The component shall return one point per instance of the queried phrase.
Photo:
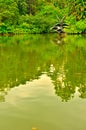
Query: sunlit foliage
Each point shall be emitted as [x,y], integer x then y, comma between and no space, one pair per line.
[37,16]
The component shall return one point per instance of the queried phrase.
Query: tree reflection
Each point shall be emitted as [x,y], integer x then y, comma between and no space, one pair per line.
[35,54]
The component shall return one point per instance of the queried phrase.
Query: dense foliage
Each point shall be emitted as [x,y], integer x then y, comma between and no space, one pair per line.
[38,16]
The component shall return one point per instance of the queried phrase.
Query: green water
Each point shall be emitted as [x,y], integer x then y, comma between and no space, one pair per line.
[43,82]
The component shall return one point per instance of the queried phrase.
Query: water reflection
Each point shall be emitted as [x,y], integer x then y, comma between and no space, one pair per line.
[33,91]
[59,39]
[25,58]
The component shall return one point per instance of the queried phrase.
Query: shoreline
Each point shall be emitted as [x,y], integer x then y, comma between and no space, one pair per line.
[69,33]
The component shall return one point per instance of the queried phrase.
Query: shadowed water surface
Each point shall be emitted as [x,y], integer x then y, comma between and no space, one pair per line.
[43,82]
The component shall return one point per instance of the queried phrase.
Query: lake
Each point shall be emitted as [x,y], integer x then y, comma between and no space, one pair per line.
[43,82]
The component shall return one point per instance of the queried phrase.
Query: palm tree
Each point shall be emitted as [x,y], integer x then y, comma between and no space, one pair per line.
[60,25]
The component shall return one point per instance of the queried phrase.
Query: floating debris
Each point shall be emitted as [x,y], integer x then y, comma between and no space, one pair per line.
[34,128]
